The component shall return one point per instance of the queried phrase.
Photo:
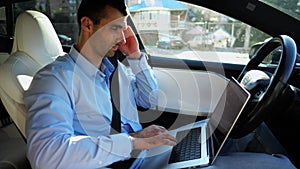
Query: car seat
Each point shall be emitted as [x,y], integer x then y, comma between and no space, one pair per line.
[35,45]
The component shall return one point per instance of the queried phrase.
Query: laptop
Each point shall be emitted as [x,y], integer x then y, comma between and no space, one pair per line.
[209,135]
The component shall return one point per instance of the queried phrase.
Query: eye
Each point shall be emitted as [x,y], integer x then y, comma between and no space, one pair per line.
[114,28]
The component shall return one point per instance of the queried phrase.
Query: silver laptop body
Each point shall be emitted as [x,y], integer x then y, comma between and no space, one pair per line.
[211,133]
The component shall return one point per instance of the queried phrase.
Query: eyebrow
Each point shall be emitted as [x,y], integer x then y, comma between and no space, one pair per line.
[120,26]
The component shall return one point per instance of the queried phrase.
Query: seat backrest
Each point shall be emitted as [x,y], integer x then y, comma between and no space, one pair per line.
[35,45]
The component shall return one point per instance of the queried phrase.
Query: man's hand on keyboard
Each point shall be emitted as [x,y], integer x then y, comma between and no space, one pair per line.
[151,137]
[149,131]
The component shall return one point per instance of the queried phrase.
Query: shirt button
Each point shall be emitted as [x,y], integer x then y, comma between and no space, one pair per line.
[100,162]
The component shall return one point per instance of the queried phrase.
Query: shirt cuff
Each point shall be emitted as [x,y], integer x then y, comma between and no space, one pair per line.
[138,65]
[122,144]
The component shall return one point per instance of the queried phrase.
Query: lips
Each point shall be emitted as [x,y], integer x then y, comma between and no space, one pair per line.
[116,47]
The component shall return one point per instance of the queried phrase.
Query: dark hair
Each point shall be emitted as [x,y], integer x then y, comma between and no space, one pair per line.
[95,9]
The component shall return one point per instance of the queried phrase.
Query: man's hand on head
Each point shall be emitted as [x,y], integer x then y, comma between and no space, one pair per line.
[130,47]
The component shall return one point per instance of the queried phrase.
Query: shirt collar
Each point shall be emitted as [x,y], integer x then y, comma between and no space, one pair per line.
[106,66]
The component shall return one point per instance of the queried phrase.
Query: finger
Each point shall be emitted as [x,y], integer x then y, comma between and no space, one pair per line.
[162,128]
[169,141]
[159,128]
[128,32]
[167,138]
[170,137]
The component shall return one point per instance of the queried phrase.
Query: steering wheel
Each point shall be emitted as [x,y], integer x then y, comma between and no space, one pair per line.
[259,105]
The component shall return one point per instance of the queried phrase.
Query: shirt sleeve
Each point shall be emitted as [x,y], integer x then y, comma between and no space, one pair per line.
[51,141]
[144,82]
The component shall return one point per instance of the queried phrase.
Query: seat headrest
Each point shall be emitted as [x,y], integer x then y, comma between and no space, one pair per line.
[36,37]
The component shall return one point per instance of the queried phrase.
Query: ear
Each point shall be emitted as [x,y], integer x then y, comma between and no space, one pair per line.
[86,24]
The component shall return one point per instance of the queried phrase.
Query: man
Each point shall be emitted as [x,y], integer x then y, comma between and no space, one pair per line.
[69,103]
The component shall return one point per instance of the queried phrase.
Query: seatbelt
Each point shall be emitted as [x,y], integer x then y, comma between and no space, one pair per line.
[116,117]
[115,98]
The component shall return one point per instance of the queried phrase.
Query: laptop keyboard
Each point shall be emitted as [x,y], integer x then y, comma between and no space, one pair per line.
[189,147]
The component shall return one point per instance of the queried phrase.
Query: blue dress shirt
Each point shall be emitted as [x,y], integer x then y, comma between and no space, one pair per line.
[69,112]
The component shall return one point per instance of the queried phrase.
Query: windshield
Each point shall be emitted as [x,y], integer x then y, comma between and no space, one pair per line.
[290,7]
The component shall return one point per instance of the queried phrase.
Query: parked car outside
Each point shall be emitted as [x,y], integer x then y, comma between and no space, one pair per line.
[172,42]
[204,41]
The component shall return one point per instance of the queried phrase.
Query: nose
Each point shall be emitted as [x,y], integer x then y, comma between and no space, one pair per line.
[122,38]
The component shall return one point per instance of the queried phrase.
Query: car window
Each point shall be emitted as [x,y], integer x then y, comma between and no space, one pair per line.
[171,29]
[2,21]
[207,35]
[62,14]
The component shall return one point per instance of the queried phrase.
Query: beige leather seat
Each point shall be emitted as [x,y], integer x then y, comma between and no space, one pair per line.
[35,45]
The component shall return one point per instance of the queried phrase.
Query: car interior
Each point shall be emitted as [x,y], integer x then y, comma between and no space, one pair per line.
[189,88]
[27,57]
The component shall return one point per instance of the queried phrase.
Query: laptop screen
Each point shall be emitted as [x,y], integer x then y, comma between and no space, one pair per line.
[225,115]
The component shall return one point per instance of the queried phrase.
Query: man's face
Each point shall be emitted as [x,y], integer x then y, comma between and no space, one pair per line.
[109,33]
